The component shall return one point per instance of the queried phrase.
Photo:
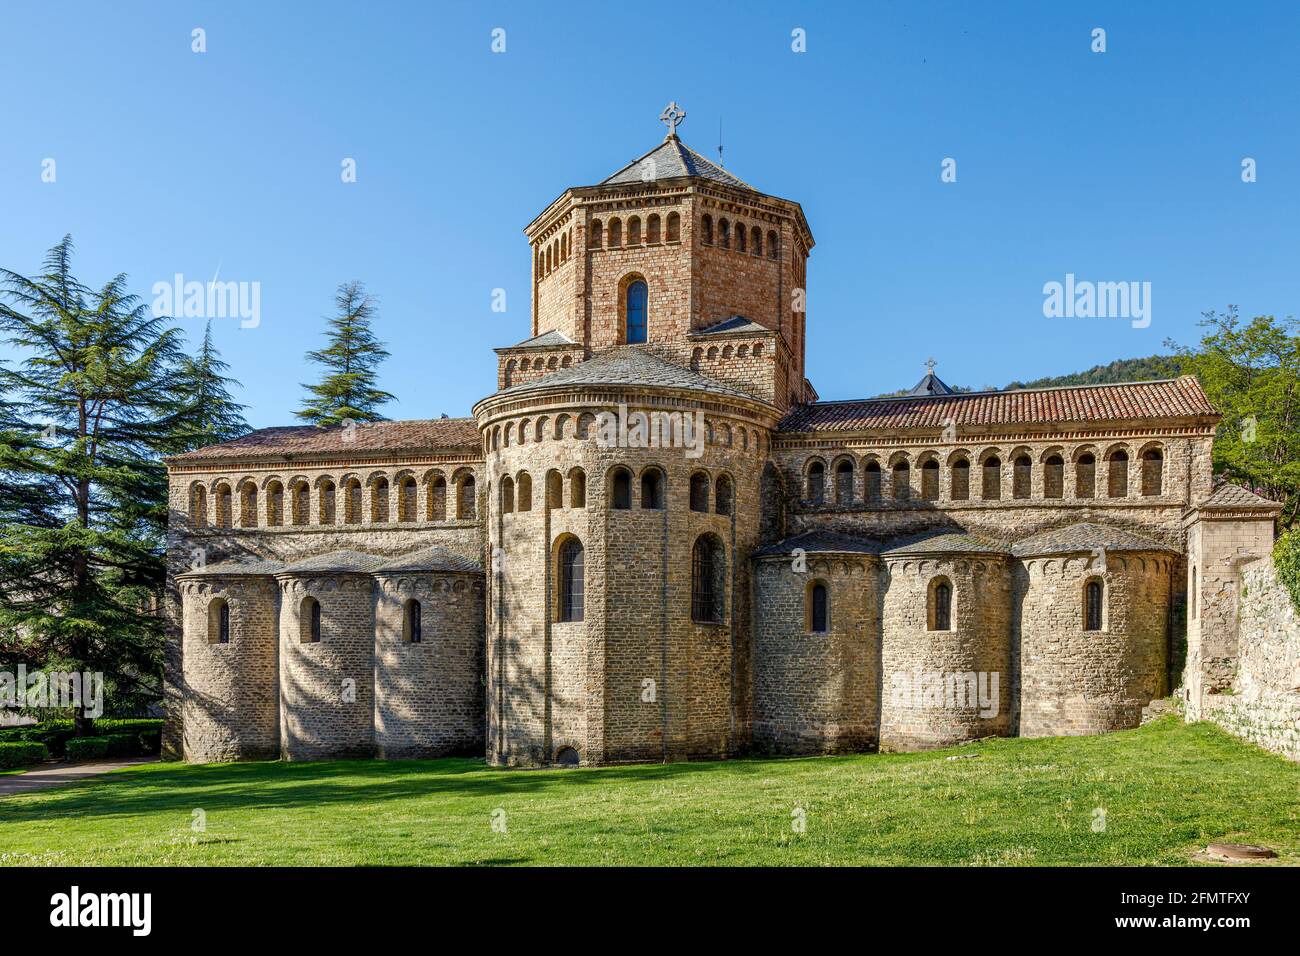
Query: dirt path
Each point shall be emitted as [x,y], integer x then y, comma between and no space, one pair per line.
[57,774]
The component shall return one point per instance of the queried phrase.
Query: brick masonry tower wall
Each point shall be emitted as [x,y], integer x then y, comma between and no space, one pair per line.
[429,695]
[231,708]
[817,692]
[916,658]
[327,700]
[637,678]
[1074,681]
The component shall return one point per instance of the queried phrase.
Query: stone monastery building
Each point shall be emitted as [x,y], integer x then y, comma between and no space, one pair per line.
[731,566]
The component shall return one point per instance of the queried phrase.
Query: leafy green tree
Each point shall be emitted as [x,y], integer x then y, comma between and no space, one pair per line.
[348,391]
[209,413]
[1251,371]
[81,560]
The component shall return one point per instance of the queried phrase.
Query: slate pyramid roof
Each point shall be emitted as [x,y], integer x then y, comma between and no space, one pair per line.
[672,159]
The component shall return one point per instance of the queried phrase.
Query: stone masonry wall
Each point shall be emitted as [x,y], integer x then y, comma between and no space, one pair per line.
[327,699]
[429,695]
[817,692]
[915,659]
[1073,681]
[1264,706]
[231,709]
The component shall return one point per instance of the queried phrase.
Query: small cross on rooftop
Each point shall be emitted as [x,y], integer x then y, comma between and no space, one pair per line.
[671,116]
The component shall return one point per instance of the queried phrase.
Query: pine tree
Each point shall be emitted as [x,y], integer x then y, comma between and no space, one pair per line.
[210,414]
[348,392]
[81,564]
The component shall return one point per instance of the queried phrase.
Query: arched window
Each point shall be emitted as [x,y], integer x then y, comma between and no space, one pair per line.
[699,491]
[1054,477]
[1093,593]
[773,245]
[707,582]
[379,501]
[844,482]
[1022,471]
[309,621]
[412,623]
[992,489]
[466,500]
[902,480]
[594,237]
[724,233]
[634,231]
[620,490]
[706,230]
[525,492]
[756,241]
[198,506]
[652,489]
[818,608]
[219,622]
[1152,468]
[722,495]
[940,610]
[615,233]
[507,492]
[274,505]
[436,507]
[674,227]
[816,482]
[554,490]
[652,229]
[637,302]
[1117,475]
[577,488]
[224,506]
[871,481]
[960,479]
[571,580]
[406,500]
[930,480]
[1085,476]
[567,757]
[1192,596]
[301,503]
[741,243]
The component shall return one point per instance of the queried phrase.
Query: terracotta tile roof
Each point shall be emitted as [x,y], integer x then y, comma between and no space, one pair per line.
[1085,537]
[1128,401]
[423,435]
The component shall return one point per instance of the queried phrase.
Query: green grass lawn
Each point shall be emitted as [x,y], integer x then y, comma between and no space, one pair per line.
[1166,789]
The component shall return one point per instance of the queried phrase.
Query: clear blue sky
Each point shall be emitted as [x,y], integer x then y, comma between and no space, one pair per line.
[1118,166]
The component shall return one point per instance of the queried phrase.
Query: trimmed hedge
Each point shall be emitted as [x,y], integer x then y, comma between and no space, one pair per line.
[1286,559]
[21,754]
[57,734]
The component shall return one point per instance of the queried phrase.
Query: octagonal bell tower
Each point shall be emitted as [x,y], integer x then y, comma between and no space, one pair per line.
[717,258]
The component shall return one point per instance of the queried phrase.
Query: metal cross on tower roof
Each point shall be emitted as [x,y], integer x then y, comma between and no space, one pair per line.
[671,116]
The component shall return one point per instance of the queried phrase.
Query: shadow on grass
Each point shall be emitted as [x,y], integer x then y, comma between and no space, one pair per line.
[160,788]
